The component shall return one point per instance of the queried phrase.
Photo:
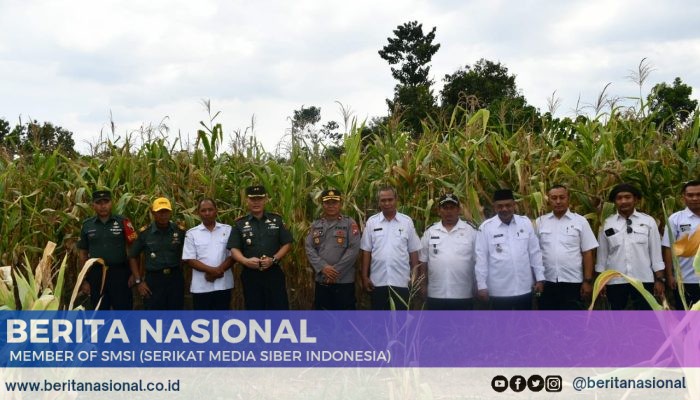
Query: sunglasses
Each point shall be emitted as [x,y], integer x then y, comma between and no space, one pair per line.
[629,225]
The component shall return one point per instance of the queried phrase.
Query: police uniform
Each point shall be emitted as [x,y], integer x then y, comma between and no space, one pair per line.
[162,250]
[450,259]
[262,290]
[108,240]
[684,222]
[336,243]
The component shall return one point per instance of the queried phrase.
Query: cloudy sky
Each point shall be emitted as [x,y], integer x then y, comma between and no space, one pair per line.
[75,62]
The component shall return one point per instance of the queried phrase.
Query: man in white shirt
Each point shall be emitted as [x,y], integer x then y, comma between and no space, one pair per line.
[205,251]
[508,257]
[630,243]
[567,244]
[682,223]
[447,254]
[390,248]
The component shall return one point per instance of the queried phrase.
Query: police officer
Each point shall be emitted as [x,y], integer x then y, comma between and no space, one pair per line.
[258,242]
[332,246]
[508,257]
[161,244]
[106,236]
[447,253]
[567,244]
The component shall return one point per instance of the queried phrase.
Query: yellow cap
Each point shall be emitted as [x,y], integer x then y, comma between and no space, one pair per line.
[161,203]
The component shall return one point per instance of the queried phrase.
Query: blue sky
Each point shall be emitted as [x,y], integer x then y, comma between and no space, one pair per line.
[75,62]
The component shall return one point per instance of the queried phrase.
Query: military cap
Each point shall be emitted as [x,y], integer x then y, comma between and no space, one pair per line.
[330,194]
[503,194]
[448,198]
[256,191]
[161,203]
[98,195]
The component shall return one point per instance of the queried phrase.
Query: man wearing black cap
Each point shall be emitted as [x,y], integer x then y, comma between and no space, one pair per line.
[107,236]
[447,254]
[332,246]
[161,242]
[508,257]
[630,243]
[258,242]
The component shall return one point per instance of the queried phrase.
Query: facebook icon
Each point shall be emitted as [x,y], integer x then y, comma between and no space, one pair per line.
[517,383]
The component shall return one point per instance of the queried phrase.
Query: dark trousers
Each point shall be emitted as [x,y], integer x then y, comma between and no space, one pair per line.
[561,296]
[216,300]
[521,302]
[338,296]
[264,290]
[620,295]
[167,290]
[117,294]
[692,295]
[432,303]
[381,295]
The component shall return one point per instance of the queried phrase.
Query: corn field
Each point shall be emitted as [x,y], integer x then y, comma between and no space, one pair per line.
[45,197]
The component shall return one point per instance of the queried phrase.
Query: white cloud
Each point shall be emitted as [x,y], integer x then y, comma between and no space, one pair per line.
[71,62]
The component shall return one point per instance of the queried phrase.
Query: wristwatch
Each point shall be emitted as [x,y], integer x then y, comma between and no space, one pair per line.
[660,279]
[137,281]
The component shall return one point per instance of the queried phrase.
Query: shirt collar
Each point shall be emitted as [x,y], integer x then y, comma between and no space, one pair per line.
[635,214]
[689,214]
[568,214]
[154,227]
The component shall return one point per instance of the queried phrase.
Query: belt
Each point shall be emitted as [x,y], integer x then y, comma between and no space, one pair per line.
[164,271]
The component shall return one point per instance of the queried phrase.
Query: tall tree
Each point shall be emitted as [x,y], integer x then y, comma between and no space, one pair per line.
[487,84]
[670,105]
[411,51]
[32,136]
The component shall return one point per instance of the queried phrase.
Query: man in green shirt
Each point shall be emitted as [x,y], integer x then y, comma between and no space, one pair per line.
[258,241]
[106,236]
[161,245]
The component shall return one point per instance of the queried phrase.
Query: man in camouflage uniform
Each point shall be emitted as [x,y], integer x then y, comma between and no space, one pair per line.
[106,236]
[258,241]
[163,287]
[332,246]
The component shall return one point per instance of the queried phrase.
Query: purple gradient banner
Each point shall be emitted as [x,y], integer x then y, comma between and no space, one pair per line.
[350,339]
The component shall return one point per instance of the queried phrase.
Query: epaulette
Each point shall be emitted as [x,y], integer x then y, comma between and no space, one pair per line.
[181,225]
[240,218]
[472,224]
[143,228]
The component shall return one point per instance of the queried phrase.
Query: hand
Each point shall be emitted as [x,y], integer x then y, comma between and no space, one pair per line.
[85,288]
[144,290]
[539,288]
[671,282]
[253,263]
[214,274]
[586,291]
[483,295]
[330,274]
[367,284]
[266,262]
[659,289]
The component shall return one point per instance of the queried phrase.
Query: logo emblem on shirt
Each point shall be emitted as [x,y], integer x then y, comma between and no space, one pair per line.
[153,255]
[248,242]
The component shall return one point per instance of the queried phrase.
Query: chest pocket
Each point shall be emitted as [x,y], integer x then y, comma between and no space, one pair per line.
[154,245]
[570,238]
[545,237]
[614,241]
[341,237]
[640,235]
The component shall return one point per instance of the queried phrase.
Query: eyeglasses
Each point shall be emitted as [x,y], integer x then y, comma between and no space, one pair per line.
[629,225]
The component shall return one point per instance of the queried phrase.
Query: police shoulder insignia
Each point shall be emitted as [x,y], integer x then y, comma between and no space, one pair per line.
[143,228]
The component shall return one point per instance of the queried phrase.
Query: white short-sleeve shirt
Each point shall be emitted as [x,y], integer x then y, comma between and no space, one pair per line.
[390,242]
[450,259]
[683,222]
[209,247]
[562,241]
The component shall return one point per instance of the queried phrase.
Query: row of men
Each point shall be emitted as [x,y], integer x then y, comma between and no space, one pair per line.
[455,266]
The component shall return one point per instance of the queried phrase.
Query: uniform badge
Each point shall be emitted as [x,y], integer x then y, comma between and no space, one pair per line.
[248,242]
[175,235]
[340,240]
[317,241]
[247,223]
[153,255]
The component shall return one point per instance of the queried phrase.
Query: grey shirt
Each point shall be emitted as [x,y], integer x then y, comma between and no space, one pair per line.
[335,243]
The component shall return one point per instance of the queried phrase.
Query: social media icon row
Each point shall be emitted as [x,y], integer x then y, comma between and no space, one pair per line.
[518,383]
